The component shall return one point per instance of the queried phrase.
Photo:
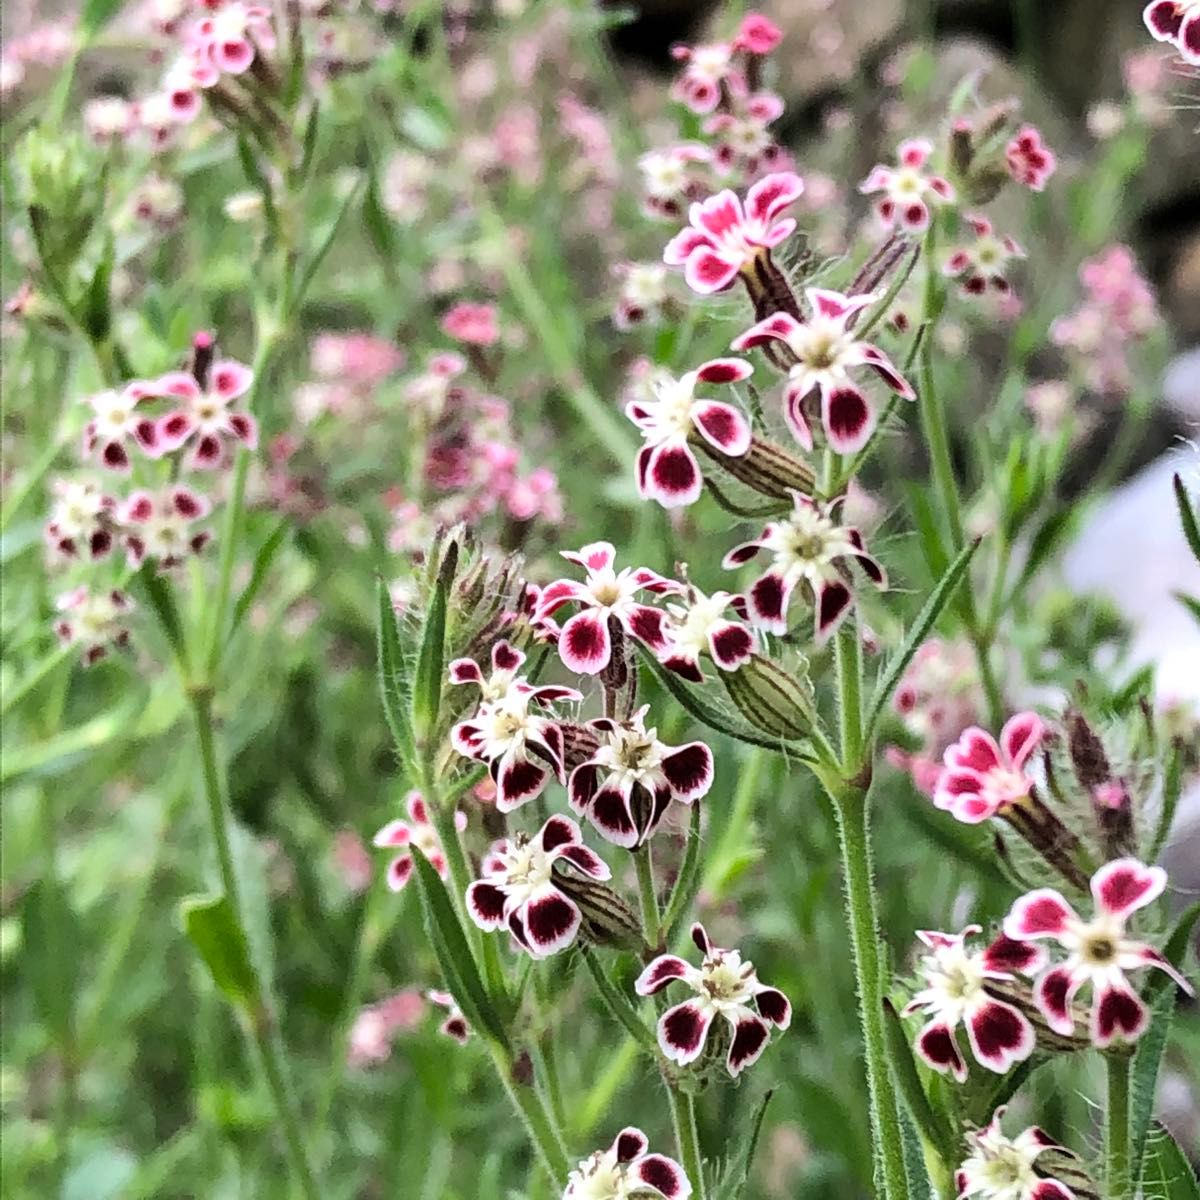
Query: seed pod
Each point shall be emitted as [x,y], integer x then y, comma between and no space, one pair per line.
[768,287]
[771,699]
[765,467]
[1019,993]
[607,919]
[1046,833]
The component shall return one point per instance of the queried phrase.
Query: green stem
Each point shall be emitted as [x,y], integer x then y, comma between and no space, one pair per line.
[647,896]
[621,1009]
[293,1135]
[1118,1162]
[534,1117]
[848,660]
[852,815]
[687,1138]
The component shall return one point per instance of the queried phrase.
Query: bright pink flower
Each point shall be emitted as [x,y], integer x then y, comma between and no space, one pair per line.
[1030,161]
[231,35]
[667,468]
[585,644]
[520,887]
[93,620]
[205,414]
[696,627]
[158,525]
[757,34]
[727,986]
[1099,951]
[626,786]
[825,351]
[417,832]
[116,422]
[983,263]
[455,1025]
[473,324]
[509,732]
[1177,22]
[1002,1168]
[706,69]
[981,777]
[955,993]
[909,190]
[626,1170]
[81,521]
[743,139]
[808,547]
[724,238]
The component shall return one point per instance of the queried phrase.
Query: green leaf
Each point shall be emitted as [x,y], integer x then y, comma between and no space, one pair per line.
[1187,516]
[212,928]
[941,595]
[925,519]
[95,313]
[262,564]
[162,601]
[453,953]
[687,882]
[930,1123]
[324,245]
[1169,1175]
[258,181]
[96,14]
[392,690]
[738,1175]
[1189,602]
[51,941]
[1172,790]
[429,678]
[378,224]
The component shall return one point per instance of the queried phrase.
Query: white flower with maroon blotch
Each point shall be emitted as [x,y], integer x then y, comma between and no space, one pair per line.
[667,468]
[706,68]
[205,414]
[697,626]
[725,987]
[519,889]
[1002,1168]
[984,263]
[625,1171]
[93,620]
[725,238]
[1177,22]
[584,643]
[520,744]
[455,1025]
[1099,951]
[955,993]
[116,422]
[1030,161]
[627,785]
[981,777]
[909,191]
[826,351]
[669,179]
[809,547]
[417,833]
[81,520]
[158,525]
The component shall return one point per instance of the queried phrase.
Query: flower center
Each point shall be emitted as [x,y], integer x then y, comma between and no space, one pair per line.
[1099,949]
[725,979]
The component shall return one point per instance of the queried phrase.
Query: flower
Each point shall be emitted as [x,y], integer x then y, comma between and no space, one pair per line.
[585,643]
[724,238]
[230,36]
[205,415]
[981,778]
[520,747]
[725,986]
[757,34]
[807,546]
[1001,1168]
[625,1171]
[418,831]
[825,349]
[158,525]
[667,469]
[116,421]
[982,264]
[667,179]
[908,190]
[1177,22]
[455,1025]
[955,993]
[81,519]
[474,324]
[1098,951]
[519,888]
[376,1025]
[93,620]
[1030,161]
[627,785]
[699,83]
[644,293]
[696,626]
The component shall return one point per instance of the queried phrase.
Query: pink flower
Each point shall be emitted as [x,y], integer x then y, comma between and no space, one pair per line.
[667,469]
[984,262]
[473,324]
[455,1025]
[159,525]
[825,351]
[669,178]
[508,731]
[624,1170]
[1099,951]
[376,1025]
[519,889]
[909,191]
[981,778]
[757,34]
[585,643]
[808,547]
[93,620]
[697,626]
[358,358]
[724,238]
[115,423]
[81,520]
[955,993]
[232,34]
[1177,22]
[628,783]
[706,69]
[1002,1168]
[205,415]
[351,860]
[726,986]
[1030,161]
[417,832]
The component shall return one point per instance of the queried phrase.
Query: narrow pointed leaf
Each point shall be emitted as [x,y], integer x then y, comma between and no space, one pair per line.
[429,677]
[262,564]
[1187,516]
[392,688]
[932,1125]
[1168,1175]
[211,927]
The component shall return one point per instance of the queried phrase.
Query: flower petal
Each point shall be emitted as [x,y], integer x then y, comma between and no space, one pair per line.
[394,833]
[1006,955]
[1000,1035]
[689,771]
[750,1037]
[584,643]
[833,603]
[730,644]
[662,1175]
[778,327]
[724,370]
[706,271]
[610,813]
[673,475]
[1041,913]
[723,426]
[682,1031]
[847,418]
[465,670]
[1120,888]
[936,1047]
[1054,993]
[774,1006]
[1117,1012]
[659,973]
[551,921]
[1020,737]
[519,780]
[629,1144]
[586,861]
[485,904]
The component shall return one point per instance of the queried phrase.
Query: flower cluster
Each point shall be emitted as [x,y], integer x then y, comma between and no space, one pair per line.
[1176,22]
[626,1171]
[417,833]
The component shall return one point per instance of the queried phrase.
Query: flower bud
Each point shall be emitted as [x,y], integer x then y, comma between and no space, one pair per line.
[607,919]
[765,467]
[1019,993]
[771,700]
[1086,751]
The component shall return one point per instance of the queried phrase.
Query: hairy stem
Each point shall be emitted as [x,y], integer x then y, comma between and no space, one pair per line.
[687,1138]
[1118,1166]
[534,1117]
[647,896]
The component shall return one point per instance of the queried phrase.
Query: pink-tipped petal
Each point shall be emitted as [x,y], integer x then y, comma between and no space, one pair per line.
[1054,994]
[584,643]
[778,327]
[750,1037]
[1122,887]
[662,1176]
[394,833]
[722,426]
[1041,913]
[999,1035]
[707,271]
[724,370]
[834,600]
[689,771]
[772,194]
[847,418]
[550,920]
[774,1006]
[399,872]
[768,598]
[730,644]
[1021,736]
[659,973]
[629,1144]
[794,417]
[1006,956]
[936,1047]
[673,475]
[1117,1014]
[518,782]
[485,904]
[465,670]
[586,861]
